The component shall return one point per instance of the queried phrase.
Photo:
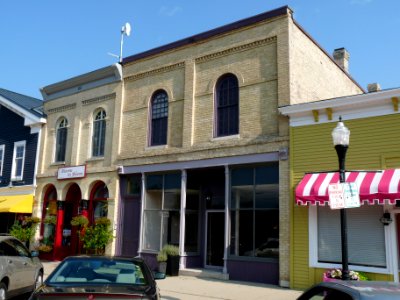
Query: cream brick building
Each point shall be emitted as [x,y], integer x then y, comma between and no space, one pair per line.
[238,181]
[196,153]
[73,178]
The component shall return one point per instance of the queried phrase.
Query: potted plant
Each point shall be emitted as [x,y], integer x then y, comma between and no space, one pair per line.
[172,252]
[162,258]
[97,236]
[25,230]
[81,222]
[336,274]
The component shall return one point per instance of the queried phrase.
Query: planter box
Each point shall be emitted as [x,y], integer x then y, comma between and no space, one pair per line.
[173,265]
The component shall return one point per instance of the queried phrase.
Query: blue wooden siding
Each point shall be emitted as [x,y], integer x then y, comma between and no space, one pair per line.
[12,130]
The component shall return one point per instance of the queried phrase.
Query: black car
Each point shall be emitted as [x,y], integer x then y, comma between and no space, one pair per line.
[353,290]
[98,277]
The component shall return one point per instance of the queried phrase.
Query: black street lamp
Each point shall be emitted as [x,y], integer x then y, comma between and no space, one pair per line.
[341,138]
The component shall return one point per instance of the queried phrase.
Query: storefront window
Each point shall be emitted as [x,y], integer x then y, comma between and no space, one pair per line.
[162,210]
[255,211]
[365,236]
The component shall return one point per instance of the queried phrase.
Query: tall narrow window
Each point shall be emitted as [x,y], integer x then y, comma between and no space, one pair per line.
[159,118]
[61,140]
[99,133]
[227,106]
[1,159]
[18,160]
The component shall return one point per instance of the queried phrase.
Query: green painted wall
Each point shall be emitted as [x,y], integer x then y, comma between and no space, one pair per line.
[374,145]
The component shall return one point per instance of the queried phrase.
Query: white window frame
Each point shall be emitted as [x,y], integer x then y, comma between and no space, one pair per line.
[91,148]
[57,127]
[3,149]
[14,177]
[313,248]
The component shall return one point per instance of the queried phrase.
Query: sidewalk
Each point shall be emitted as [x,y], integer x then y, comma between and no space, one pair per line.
[192,288]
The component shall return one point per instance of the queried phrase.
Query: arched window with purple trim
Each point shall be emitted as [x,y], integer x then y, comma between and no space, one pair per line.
[227,106]
[159,118]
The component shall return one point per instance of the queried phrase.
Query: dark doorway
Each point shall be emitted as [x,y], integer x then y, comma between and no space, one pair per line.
[215,238]
[70,240]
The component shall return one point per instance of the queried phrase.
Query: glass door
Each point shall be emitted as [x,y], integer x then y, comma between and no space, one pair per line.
[215,232]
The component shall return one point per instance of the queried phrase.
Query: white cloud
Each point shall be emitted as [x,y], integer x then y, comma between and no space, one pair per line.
[169,11]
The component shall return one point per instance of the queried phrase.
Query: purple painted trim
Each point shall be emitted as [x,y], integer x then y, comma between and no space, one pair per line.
[204,163]
[211,33]
[254,271]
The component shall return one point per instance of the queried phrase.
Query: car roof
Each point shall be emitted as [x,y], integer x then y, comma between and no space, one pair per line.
[368,289]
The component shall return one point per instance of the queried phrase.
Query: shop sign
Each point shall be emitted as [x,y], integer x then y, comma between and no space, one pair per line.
[343,195]
[71,172]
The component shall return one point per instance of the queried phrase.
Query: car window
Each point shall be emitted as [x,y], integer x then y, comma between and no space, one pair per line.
[99,271]
[7,250]
[20,248]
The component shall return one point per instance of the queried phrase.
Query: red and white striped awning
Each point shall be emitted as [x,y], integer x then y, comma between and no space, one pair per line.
[374,187]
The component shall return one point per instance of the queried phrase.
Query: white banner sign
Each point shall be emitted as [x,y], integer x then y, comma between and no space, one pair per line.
[343,195]
[71,172]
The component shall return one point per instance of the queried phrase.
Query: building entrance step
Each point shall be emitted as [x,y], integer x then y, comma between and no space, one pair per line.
[204,273]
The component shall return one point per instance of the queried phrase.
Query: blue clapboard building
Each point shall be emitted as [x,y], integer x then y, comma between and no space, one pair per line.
[21,119]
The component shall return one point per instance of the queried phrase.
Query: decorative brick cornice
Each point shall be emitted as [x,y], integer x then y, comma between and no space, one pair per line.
[61,108]
[99,99]
[155,71]
[235,49]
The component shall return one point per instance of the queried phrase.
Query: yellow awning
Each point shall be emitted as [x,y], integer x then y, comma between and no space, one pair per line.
[16,204]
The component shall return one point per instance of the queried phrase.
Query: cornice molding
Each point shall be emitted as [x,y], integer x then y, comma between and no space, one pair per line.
[155,71]
[61,108]
[111,96]
[240,48]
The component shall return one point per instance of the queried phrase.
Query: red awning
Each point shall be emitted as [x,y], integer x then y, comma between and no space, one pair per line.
[374,187]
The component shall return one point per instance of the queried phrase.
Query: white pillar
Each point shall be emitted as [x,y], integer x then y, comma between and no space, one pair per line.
[227,220]
[141,225]
[182,262]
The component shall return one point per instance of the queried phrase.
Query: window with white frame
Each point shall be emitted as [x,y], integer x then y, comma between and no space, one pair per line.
[61,140]
[99,133]
[18,160]
[162,211]
[365,235]
[2,147]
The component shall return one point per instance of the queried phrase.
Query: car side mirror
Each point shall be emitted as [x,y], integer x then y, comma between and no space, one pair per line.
[158,275]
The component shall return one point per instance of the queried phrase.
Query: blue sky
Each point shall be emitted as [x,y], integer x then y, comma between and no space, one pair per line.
[47,41]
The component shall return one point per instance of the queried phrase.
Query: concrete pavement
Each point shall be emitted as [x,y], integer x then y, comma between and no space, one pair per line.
[192,288]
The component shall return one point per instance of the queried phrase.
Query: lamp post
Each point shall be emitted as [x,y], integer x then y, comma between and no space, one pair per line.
[341,137]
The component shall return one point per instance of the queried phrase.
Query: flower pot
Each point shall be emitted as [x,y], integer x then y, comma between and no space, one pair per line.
[173,265]
[162,267]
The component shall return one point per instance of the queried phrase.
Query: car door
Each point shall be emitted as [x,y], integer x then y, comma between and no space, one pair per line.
[28,267]
[10,266]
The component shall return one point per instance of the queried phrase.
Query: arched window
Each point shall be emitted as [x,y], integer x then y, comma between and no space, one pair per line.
[99,204]
[227,106]
[61,140]
[49,218]
[99,133]
[159,118]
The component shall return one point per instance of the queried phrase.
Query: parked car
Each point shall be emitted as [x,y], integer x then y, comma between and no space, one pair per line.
[20,270]
[353,290]
[94,277]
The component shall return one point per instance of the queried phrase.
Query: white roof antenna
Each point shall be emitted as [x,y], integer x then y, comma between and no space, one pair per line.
[125,30]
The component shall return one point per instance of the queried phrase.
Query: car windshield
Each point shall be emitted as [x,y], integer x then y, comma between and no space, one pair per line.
[98,271]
